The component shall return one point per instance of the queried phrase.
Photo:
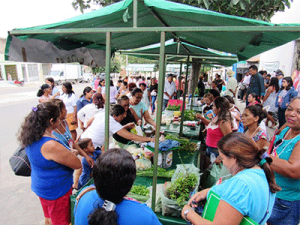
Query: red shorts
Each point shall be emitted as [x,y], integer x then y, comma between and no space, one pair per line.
[58,210]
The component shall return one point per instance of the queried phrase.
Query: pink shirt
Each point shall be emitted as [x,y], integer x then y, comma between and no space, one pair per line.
[214,134]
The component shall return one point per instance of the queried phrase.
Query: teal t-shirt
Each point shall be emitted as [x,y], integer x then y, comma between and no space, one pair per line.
[290,188]
[137,108]
[249,193]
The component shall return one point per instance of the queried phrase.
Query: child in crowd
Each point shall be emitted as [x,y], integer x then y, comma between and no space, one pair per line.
[86,145]
[253,99]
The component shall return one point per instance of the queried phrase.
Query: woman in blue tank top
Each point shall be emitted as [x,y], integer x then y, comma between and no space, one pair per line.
[52,164]
[286,164]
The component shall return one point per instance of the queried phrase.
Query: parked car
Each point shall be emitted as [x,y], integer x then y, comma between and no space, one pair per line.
[87,77]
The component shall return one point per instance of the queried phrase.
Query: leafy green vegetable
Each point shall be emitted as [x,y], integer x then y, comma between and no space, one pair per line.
[185,144]
[173,107]
[180,189]
[189,115]
[140,190]
[160,173]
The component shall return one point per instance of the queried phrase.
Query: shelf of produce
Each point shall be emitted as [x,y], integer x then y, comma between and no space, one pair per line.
[187,131]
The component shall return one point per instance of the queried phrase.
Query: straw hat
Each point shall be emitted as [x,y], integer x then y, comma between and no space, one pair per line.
[230,73]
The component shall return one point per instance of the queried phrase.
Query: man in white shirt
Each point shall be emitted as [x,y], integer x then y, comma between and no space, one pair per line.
[169,90]
[231,84]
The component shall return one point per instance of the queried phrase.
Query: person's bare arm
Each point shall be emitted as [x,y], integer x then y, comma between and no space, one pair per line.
[148,118]
[288,168]
[84,154]
[52,150]
[136,118]
[133,137]
[225,214]
[203,119]
[267,94]
[225,127]
[74,115]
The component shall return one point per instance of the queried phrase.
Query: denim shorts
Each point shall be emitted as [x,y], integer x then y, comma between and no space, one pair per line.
[285,212]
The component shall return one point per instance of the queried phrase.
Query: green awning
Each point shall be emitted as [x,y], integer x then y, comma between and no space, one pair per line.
[240,36]
[177,52]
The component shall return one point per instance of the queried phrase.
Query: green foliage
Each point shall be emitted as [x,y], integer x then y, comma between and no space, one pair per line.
[173,107]
[189,115]
[258,9]
[185,144]
[140,190]
[161,172]
[180,189]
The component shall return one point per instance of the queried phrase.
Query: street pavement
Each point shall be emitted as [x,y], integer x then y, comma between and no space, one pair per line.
[18,204]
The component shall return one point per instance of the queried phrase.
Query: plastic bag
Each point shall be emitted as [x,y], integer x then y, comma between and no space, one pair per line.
[170,207]
[142,164]
[159,192]
[212,175]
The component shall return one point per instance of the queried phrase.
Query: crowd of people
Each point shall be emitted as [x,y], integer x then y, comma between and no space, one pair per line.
[265,183]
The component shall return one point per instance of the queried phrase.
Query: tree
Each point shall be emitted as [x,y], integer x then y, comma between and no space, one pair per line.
[255,9]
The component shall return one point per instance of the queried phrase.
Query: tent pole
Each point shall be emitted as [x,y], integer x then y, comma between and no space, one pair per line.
[184,93]
[158,114]
[135,9]
[107,88]
[179,82]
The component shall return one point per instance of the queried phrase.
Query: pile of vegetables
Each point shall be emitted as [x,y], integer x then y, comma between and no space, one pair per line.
[140,190]
[173,107]
[160,173]
[185,144]
[189,115]
[181,188]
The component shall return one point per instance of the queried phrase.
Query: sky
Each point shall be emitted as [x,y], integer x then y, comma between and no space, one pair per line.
[28,13]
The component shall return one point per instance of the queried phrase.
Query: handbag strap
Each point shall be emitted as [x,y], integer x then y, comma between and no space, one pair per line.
[82,193]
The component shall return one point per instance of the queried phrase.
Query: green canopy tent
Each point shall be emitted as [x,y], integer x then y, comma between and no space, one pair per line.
[132,29]
[91,38]
[178,51]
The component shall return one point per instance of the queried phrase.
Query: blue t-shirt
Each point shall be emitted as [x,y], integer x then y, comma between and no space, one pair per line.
[248,192]
[49,180]
[82,102]
[129,212]
[290,188]
[86,169]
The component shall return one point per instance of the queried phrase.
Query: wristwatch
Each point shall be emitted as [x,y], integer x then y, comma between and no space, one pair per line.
[186,212]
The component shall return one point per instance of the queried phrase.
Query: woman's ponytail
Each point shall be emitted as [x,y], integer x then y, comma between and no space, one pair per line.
[101,216]
[265,165]
[42,88]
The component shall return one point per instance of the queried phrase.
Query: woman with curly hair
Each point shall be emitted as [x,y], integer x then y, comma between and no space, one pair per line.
[52,164]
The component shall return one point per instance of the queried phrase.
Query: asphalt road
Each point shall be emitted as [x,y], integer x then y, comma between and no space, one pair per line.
[18,204]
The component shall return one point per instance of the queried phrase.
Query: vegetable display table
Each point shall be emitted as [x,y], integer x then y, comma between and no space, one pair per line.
[187,131]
